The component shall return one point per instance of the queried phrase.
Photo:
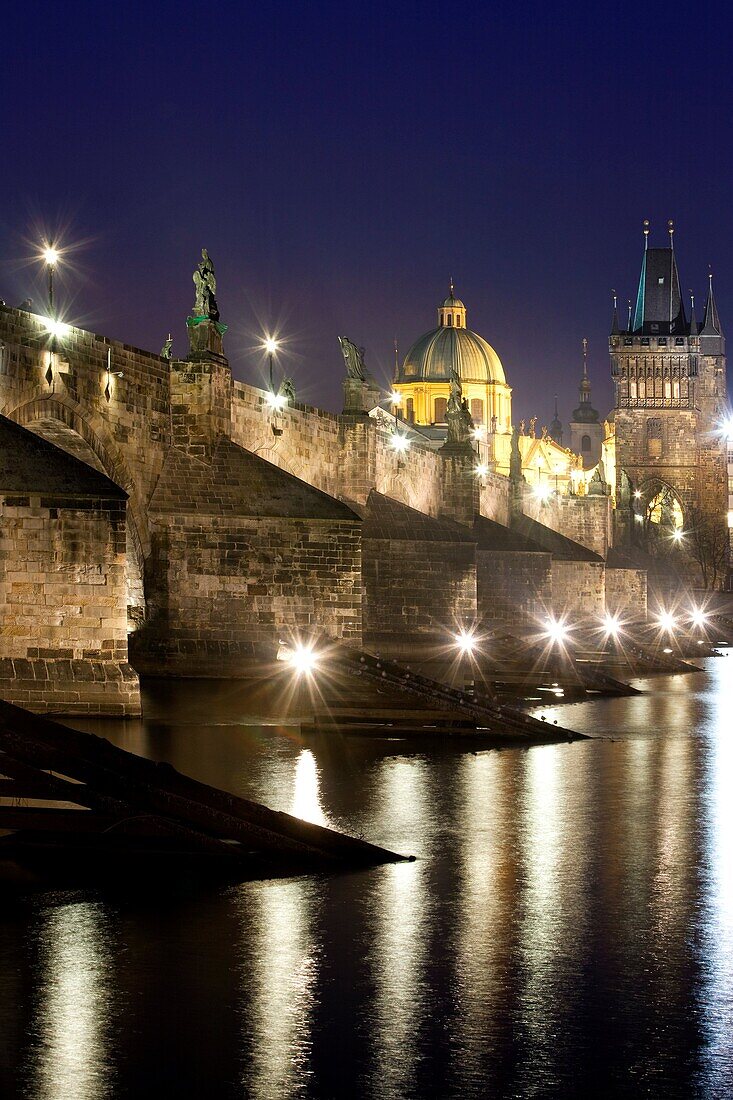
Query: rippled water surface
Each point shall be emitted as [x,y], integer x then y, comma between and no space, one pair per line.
[567,929]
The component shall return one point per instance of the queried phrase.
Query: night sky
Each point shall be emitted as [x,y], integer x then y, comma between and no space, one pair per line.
[342,161]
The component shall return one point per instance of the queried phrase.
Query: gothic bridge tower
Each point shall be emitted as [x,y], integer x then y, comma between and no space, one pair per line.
[670,389]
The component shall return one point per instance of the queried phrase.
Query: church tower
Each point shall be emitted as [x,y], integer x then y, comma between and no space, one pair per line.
[586,430]
[670,390]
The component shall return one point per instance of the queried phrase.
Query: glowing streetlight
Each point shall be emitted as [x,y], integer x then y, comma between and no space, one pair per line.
[465,642]
[611,625]
[481,470]
[699,618]
[667,621]
[542,492]
[556,630]
[677,535]
[637,494]
[270,346]
[50,256]
[399,443]
[276,400]
[301,658]
[395,397]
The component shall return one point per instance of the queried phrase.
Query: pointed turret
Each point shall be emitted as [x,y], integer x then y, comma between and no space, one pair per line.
[585,413]
[614,320]
[693,318]
[659,306]
[711,320]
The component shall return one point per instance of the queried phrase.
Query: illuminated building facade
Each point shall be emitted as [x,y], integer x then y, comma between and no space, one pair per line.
[669,453]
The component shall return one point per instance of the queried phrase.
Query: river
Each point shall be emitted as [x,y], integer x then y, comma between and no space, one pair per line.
[566,930]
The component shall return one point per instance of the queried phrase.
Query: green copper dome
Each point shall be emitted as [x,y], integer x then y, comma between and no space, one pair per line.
[451,344]
[430,358]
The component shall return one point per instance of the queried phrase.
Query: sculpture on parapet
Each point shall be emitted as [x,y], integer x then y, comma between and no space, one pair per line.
[515,458]
[457,414]
[361,392]
[354,359]
[287,389]
[204,280]
[205,330]
[166,352]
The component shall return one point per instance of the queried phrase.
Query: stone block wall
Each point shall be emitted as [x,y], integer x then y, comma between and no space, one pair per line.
[586,520]
[626,593]
[513,586]
[129,432]
[578,588]
[227,589]
[63,608]
[416,591]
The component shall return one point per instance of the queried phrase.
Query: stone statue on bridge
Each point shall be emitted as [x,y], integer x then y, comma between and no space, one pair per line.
[166,352]
[354,359]
[204,280]
[457,415]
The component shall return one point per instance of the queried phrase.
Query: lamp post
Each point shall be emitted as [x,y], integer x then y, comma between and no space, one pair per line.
[51,258]
[271,345]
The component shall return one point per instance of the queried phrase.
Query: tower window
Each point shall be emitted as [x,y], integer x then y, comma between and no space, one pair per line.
[662,341]
[441,405]
[660,280]
[410,410]
[645,342]
[449,319]
[477,410]
[679,341]
[628,341]
[585,443]
[654,437]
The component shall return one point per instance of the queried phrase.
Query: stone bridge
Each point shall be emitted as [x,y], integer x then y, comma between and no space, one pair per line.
[244,521]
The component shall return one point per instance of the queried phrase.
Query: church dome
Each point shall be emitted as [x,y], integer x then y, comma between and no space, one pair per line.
[451,344]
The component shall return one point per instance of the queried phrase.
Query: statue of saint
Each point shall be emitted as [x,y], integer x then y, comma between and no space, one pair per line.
[353,358]
[545,433]
[204,280]
[287,389]
[457,415]
[521,427]
[532,423]
[166,351]
[515,457]
[494,424]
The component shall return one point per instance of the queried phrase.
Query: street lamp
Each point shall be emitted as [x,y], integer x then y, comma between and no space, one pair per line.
[50,258]
[270,346]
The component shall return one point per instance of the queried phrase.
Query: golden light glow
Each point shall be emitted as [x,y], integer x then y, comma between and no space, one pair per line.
[399,443]
[667,621]
[306,800]
[51,256]
[465,641]
[271,345]
[556,630]
[55,328]
[276,400]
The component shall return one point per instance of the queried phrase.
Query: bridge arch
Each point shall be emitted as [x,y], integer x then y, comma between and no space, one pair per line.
[61,423]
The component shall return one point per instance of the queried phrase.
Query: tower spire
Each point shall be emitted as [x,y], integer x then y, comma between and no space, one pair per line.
[711,320]
[614,320]
[693,318]
[646,234]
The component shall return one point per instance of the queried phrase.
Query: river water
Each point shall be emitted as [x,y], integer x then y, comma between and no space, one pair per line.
[567,928]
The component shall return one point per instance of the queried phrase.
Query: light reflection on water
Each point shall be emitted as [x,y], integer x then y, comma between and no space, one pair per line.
[566,930]
[68,1055]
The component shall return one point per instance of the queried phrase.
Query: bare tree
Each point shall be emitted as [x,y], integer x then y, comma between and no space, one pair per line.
[706,542]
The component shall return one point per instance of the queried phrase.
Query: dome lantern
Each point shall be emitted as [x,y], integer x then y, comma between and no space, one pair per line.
[451,311]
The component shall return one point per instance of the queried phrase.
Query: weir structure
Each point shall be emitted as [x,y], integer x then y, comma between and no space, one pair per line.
[247,523]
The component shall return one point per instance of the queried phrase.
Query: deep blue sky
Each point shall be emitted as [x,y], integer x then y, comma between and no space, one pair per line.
[340,161]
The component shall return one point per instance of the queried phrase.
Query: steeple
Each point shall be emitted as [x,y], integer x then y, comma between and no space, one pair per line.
[614,321]
[711,320]
[659,306]
[693,318]
[585,411]
[556,426]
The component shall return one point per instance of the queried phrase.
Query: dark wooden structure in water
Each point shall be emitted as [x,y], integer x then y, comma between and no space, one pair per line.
[72,801]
